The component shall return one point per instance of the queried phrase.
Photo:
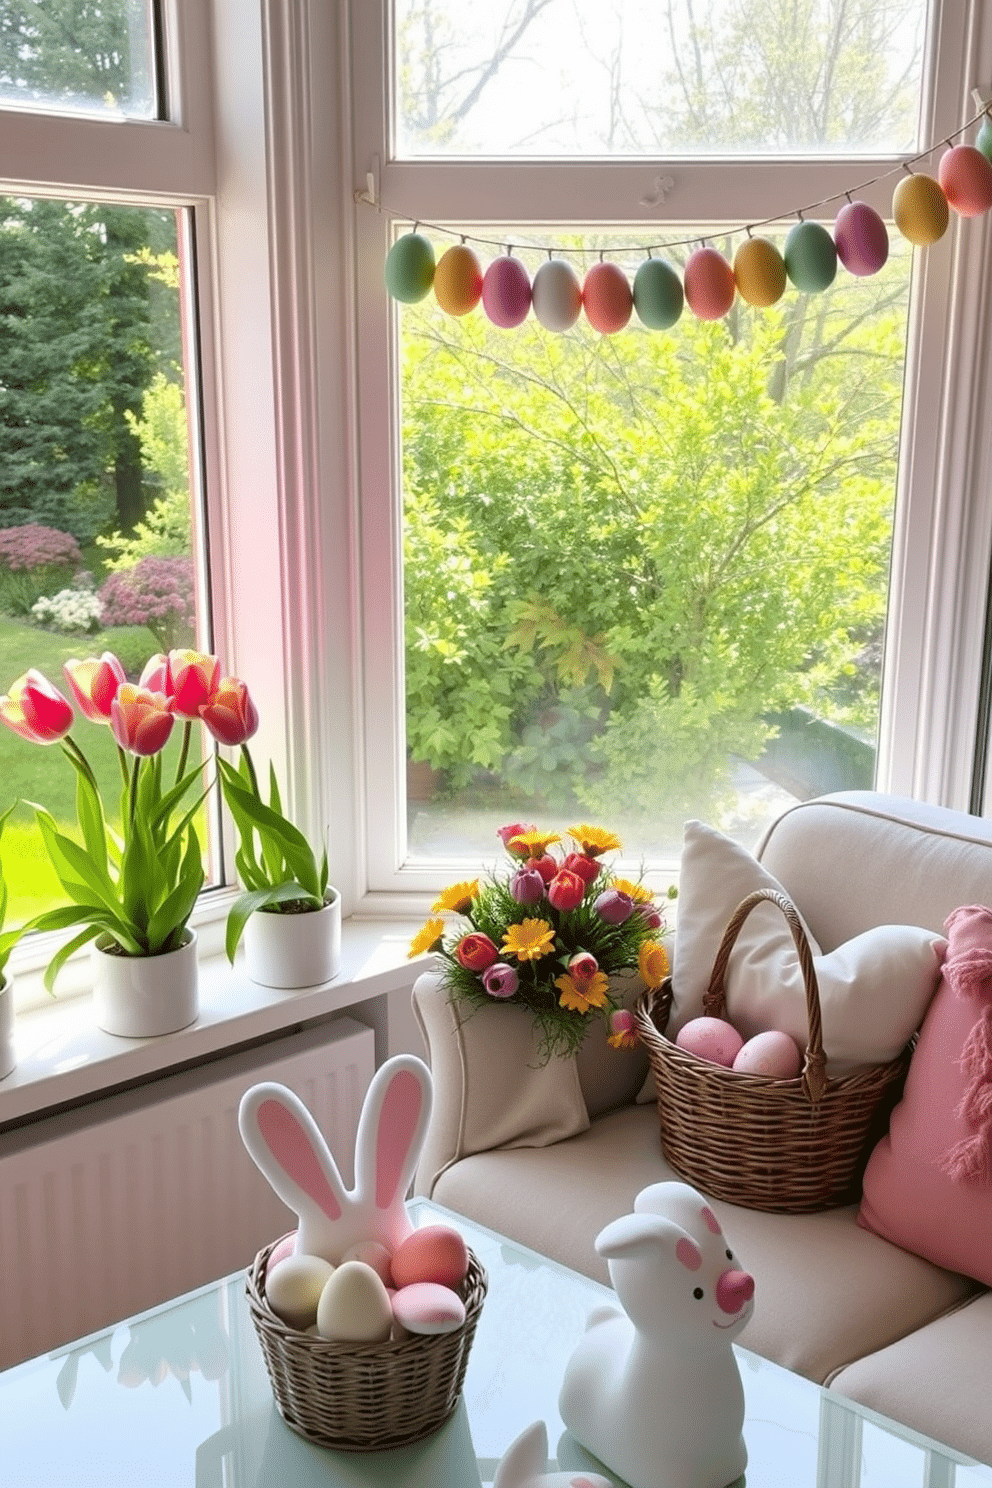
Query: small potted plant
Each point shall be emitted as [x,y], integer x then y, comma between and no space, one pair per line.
[132,892]
[8,940]
[289,915]
[556,935]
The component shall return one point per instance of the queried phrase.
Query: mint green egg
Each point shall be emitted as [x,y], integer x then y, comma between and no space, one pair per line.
[409,268]
[983,139]
[810,257]
[658,294]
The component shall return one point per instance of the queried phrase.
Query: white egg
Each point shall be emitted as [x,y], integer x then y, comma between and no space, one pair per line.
[556,295]
[354,1306]
[294,1286]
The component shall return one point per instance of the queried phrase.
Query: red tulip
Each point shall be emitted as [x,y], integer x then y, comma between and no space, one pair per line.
[587,868]
[94,684]
[36,710]
[547,866]
[192,678]
[476,952]
[566,889]
[155,675]
[229,713]
[141,720]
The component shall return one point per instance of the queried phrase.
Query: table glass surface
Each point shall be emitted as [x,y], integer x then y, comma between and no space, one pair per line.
[178,1397]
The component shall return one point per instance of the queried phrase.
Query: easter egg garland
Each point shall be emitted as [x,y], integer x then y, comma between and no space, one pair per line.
[760,273]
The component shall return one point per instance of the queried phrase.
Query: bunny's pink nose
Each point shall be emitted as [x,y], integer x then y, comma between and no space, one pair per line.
[734,1289]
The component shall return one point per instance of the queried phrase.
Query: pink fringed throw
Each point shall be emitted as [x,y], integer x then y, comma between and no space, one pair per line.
[968,971]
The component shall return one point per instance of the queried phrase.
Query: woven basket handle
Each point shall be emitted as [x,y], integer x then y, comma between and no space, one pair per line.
[714,1002]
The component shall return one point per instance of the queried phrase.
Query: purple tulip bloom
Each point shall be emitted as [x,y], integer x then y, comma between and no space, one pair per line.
[527,886]
[500,980]
[614,906]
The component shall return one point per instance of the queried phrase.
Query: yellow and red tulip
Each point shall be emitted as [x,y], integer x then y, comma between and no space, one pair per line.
[94,684]
[141,720]
[36,710]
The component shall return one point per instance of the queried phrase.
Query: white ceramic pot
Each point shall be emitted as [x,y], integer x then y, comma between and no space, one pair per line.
[294,950]
[7,1057]
[143,996]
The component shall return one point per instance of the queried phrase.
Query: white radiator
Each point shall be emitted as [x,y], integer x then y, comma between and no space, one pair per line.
[138,1197]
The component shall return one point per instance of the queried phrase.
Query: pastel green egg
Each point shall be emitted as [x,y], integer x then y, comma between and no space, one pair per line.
[983,139]
[409,268]
[810,257]
[658,294]
[920,209]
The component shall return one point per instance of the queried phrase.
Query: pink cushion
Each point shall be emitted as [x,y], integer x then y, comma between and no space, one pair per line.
[928,1183]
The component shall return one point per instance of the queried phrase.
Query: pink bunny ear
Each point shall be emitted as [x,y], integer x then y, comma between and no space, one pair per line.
[392,1129]
[285,1143]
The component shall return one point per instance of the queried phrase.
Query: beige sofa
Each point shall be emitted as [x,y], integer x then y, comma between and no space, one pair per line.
[548,1157]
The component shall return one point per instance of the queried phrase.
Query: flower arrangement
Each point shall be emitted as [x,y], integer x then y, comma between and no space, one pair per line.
[549,936]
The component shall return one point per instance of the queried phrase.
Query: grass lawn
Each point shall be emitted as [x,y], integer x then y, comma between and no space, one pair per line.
[33,772]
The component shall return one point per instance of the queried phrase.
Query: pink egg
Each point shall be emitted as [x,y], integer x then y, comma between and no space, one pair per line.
[426,1307]
[712,1039]
[709,284]
[506,292]
[965,176]
[374,1255]
[772,1053]
[436,1254]
[862,238]
[608,298]
[283,1247]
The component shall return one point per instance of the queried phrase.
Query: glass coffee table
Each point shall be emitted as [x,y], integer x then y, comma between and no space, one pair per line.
[178,1397]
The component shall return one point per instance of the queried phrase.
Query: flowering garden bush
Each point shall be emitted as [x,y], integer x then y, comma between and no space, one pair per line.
[155,592]
[34,560]
[69,610]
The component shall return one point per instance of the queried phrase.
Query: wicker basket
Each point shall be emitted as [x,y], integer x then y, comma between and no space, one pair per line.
[791,1146]
[364,1397]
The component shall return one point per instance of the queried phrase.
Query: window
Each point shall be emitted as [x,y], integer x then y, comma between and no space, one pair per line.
[449,136]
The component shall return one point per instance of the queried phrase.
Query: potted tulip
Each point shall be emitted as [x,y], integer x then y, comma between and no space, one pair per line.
[289,915]
[8,939]
[130,893]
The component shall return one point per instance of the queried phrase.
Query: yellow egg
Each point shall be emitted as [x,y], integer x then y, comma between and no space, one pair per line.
[354,1306]
[458,280]
[759,272]
[920,209]
[293,1288]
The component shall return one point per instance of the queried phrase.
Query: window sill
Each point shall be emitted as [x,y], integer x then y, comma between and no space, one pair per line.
[64,1059]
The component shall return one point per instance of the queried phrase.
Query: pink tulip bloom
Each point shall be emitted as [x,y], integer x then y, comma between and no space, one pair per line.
[94,683]
[36,710]
[155,675]
[505,834]
[141,720]
[614,906]
[500,980]
[566,890]
[527,886]
[229,713]
[547,866]
[192,679]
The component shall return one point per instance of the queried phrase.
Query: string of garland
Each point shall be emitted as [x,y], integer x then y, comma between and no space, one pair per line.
[709,283]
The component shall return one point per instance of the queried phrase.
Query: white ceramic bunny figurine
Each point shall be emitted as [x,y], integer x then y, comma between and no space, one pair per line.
[654,1392]
[285,1142]
[524,1465]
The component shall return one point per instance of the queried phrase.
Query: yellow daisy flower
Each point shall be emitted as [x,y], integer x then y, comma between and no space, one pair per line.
[635,891]
[580,997]
[458,897]
[535,842]
[530,940]
[426,939]
[594,840]
[652,963]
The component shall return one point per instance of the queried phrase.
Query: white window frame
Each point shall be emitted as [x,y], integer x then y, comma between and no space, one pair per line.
[943,532]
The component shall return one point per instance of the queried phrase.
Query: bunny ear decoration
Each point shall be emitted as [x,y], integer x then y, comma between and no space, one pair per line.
[285,1143]
[524,1465]
[643,1234]
[391,1133]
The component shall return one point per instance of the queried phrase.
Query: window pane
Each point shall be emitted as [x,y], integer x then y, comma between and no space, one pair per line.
[94,56]
[648,77]
[96,552]
[646,573]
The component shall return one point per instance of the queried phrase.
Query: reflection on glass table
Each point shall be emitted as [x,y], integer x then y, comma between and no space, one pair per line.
[179,1398]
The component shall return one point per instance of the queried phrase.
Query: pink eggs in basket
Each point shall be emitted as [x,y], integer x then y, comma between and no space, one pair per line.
[712,1039]
[773,1053]
[436,1254]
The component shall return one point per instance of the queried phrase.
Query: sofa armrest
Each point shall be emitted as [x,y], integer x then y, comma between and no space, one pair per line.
[490,1089]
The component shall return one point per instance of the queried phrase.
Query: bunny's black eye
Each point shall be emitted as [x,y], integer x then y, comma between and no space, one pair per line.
[697,1292]
[730,1255]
